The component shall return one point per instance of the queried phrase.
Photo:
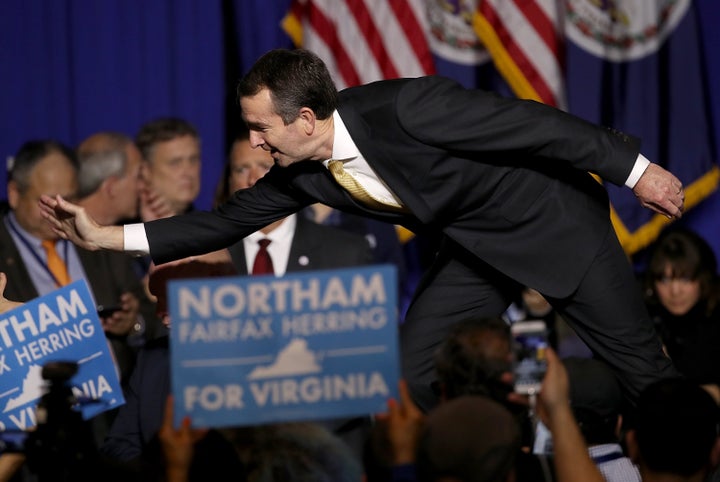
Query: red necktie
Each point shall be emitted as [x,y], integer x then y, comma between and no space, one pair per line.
[263,262]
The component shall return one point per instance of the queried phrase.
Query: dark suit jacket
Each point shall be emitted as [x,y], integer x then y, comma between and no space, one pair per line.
[319,247]
[506,179]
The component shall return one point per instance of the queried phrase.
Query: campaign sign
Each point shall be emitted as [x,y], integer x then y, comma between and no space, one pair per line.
[260,349]
[60,326]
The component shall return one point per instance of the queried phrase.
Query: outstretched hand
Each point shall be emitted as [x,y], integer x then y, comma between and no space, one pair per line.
[660,191]
[70,221]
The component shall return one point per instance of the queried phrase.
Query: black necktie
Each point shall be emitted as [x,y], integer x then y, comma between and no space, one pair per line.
[263,262]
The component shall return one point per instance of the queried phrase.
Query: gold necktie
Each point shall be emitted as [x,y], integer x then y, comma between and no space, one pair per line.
[351,185]
[55,264]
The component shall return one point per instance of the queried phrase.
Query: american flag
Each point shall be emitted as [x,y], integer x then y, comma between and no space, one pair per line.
[524,41]
[363,40]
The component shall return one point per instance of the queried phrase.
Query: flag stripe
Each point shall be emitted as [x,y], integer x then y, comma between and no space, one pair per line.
[541,24]
[322,29]
[366,25]
[364,40]
[409,18]
[514,65]
[524,44]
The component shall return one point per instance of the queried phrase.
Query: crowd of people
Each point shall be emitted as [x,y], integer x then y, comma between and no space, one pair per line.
[518,216]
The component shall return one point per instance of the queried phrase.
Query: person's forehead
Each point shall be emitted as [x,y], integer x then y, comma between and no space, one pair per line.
[181,146]
[258,107]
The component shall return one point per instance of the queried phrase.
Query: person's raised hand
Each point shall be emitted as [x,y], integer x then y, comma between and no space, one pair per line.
[122,321]
[70,221]
[660,191]
[555,390]
[178,444]
[403,422]
[153,206]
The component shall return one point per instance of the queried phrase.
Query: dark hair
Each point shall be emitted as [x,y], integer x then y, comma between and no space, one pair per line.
[222,190]
[689,256]
[469,363]
[676,426]
[295,79]
[30,154]
[162,130]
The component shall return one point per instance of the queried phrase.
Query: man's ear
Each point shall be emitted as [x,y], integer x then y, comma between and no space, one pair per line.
[13,194]
[308,119]
[109,186]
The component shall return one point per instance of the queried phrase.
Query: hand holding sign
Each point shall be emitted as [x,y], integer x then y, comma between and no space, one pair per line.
[6,304]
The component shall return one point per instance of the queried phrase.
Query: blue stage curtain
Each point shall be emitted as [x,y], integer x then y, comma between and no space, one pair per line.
[74,67]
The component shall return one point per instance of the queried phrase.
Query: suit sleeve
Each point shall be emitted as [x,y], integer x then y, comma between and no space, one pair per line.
[271,198]
[441,113]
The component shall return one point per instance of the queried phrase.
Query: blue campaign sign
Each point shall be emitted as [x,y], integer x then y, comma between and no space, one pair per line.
[261,349]
[60,326]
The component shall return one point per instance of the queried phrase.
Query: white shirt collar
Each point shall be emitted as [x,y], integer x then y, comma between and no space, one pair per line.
[344,148]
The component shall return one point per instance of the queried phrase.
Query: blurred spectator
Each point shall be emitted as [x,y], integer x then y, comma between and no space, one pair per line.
[109,179]
[673,435]
[171,169]
[469,439]
[682,294]
[597,403]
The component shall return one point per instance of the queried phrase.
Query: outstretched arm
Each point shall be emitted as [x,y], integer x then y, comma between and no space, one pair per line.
[661,191]
[70,221]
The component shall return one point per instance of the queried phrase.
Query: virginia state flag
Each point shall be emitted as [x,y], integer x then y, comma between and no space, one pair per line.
[638,66]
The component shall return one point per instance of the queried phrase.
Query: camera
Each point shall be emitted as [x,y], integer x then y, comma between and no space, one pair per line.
[62,447]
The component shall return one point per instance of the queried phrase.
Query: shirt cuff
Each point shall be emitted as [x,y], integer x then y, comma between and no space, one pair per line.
[135,239]
[641,163]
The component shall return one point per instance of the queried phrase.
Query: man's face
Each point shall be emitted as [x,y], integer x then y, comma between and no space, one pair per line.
[127,195]
[173,171]
[52,175]
[247,165]
[286,144]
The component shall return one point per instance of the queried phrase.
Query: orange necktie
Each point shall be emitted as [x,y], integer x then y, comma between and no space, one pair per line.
[55,264]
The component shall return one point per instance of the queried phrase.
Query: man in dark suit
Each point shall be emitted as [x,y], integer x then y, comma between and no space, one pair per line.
[297,244]
[506,181]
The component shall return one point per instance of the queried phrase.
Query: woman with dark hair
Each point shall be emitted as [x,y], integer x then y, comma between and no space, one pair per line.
[681,288]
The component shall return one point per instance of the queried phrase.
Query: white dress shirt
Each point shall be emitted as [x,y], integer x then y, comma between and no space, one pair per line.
[279,249]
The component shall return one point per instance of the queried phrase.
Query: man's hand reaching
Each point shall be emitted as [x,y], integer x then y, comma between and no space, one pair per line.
[70,221]
[661,191]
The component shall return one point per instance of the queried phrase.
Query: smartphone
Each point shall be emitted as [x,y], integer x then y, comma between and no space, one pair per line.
[106,311]
[530,341]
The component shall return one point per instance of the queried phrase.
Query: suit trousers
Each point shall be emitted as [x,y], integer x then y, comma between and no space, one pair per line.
[606,311]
